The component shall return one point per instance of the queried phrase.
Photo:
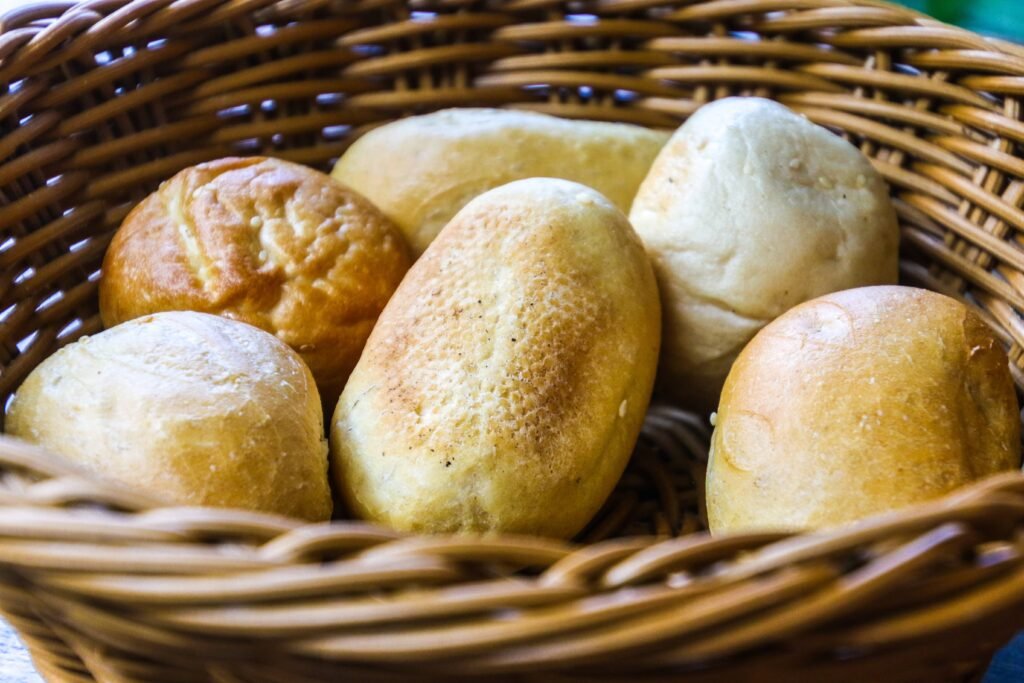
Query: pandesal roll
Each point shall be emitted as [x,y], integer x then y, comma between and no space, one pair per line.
[506,382]
[748,211]
[420,171]
[193,408]
[857,403]
[267,242]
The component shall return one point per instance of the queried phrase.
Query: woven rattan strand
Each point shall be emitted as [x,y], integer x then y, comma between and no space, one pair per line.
[103,99]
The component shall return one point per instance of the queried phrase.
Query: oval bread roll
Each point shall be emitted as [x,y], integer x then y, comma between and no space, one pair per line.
[749,210]
[505,384]
[265,241]
[434,164]
[189,407]
[856,403]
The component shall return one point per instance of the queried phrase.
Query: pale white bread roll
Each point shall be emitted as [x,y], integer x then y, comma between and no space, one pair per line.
[193,408]
[749,210]
[421,170]
[506,382]
[856,403]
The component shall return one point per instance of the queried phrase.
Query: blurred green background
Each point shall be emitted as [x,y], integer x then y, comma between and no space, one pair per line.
[1002,18]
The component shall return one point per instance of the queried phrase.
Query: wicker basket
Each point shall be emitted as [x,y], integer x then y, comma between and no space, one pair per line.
[103,99]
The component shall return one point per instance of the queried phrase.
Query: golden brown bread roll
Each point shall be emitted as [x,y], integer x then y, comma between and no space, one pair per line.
[436,163]
[505,384]
[268,242]
[193,408]
[856,403]
[749,210]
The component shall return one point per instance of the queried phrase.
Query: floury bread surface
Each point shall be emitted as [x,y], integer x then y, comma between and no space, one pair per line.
[505,383]
[192,408]
[749,210]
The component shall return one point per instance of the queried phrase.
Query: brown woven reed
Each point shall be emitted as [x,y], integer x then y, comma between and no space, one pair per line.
[101,100]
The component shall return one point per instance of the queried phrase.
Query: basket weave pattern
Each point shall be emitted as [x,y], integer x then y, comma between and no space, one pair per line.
[102,100]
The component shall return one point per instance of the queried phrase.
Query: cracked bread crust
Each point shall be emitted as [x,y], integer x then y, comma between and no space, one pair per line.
[267,242]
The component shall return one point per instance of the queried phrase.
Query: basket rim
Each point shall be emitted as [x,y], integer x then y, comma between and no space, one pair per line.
[67,16]
[39,463]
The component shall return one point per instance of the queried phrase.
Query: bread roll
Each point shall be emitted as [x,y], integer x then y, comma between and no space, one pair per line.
[438,162]
[268,242]
[856,403]
[193,408]
[748,211]
[505,384]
